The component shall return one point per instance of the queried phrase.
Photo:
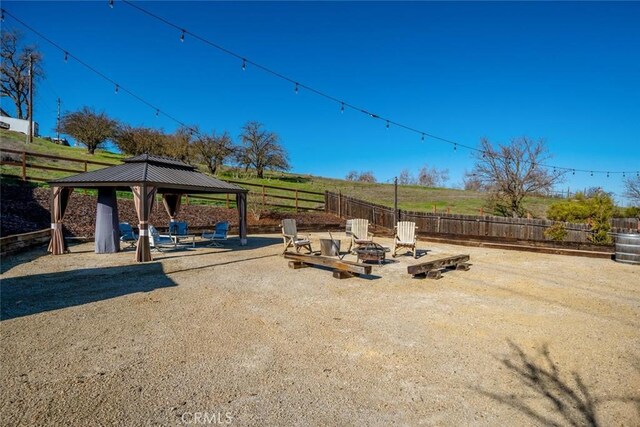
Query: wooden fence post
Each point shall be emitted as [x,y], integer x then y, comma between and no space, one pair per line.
[85,166]
[227,200]
[186,199]
[434,208]
[296,201]
[263,198]
[24,166]
[339,203]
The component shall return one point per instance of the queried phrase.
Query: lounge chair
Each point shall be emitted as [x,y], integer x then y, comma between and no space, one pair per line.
[359,233]
[405,237]
[158,241]
[178,228]
[127,235]
[290,236]
[218,234]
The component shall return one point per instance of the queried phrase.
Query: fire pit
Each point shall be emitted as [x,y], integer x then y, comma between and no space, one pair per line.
[371,252]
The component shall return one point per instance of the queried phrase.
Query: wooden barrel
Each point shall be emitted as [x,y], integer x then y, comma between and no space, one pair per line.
[628,248]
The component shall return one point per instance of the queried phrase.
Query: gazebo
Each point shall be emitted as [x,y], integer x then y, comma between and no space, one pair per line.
[145,176]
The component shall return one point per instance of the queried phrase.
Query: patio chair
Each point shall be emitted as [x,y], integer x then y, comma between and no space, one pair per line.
[219,233]
[405,237]
[359,233]
[290,236]
[158,241]
[178,228]
[127,235]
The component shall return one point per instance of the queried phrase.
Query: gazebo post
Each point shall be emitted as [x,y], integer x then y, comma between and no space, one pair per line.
[241,202]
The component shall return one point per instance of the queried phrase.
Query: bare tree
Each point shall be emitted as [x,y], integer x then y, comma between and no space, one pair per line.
[471,182]
[261,149]
[89,128]
[433,177]
[512,172]
[367,176]
[406,178]
[632,189]
[213,149]
[352,176]
[177,145]
[14,70]
[134,141]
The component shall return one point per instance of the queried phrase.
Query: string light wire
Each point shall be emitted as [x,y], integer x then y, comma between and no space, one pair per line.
[277,74]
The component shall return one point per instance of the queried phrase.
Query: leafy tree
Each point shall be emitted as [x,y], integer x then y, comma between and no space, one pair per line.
[261,149]
[14,70]
[134,141]
[595,210]
[213,149]
[367,176]
[513,171]
[432,177]
[89,128]
[632,189]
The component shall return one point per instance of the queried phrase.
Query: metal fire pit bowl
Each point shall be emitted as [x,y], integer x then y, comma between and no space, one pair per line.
[371,252]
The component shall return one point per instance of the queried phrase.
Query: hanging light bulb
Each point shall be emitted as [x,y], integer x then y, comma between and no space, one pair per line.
[387,124]
[574,172]
[117,88]
[607,174]
[66,56]
[2,17]
[111,4]
[484,154]
[244,64]
[591,173]
[342,107]
[182,36]
[157,112]
[455,146]
[296,88]
[422,138]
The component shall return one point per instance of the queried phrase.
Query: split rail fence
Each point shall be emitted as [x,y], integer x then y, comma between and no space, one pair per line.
[467,226]
[261,197]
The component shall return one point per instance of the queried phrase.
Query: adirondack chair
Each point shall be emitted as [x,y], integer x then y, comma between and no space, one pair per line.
[290,236]
[405,237]
[359,233]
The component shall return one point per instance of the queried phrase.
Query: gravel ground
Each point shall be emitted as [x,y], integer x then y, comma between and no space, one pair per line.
[216,336]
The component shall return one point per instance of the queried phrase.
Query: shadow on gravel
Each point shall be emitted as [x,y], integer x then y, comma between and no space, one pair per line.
[26,295]
[547,396]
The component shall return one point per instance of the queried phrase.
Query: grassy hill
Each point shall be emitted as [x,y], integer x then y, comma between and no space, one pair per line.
[410,197]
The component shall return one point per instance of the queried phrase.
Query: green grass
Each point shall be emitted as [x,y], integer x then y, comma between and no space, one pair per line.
[410,197]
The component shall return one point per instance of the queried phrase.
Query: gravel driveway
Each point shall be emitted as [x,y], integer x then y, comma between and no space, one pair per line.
[234,336]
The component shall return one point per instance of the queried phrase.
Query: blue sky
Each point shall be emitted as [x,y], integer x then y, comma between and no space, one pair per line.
[565,72]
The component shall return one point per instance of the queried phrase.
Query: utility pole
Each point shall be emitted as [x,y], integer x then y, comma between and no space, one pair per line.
[58,123]
[30,106]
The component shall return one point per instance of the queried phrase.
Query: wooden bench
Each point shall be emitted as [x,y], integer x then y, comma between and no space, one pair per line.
[433,269]
[341,269]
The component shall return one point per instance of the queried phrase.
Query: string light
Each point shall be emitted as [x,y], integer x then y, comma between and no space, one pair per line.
[117,88]
[2,17]
[111,4]
[607,174]
[66,56]
[157,112]
[265,69]
[623,175]
[422,138]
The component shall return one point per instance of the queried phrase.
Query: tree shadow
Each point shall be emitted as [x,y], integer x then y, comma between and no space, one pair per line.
[552,398]
[37,293]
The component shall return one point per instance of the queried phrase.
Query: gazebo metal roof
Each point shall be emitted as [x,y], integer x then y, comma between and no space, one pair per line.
[167,175]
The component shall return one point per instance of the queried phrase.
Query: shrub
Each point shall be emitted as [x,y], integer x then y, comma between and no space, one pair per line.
[595,210]
[557,232]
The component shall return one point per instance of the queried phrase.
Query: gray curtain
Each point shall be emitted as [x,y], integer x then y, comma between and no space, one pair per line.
[107,236]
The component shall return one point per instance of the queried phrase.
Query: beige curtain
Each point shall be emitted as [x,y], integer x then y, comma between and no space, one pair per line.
[143,198]
[172,204]
[59,200]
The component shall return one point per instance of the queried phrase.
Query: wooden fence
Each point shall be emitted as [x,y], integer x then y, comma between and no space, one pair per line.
[471,226]
[260,198]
